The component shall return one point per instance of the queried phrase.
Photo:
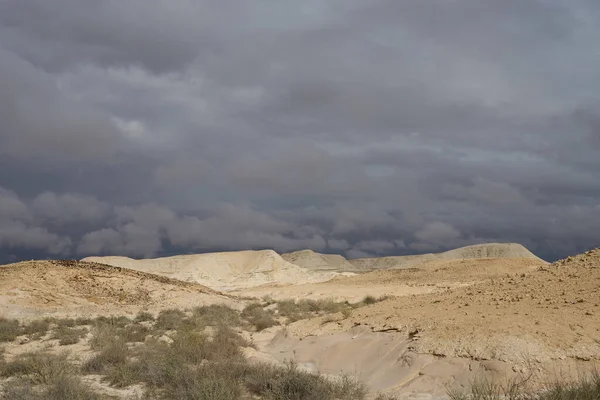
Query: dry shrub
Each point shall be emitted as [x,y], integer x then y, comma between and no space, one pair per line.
[171,319]
[63,388]
[36,329]
[39,367]
[110,355]
[290,383]
[144,316]
[9,329]
[260,318]
[67,336]
[216,314]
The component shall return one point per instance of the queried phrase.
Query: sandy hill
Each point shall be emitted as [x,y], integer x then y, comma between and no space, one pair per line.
[488,250]
[510,315]
[590,258]
[319,262]
[225,270]
[83,288]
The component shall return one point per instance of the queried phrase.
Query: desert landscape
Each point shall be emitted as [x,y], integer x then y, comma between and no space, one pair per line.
[412,327]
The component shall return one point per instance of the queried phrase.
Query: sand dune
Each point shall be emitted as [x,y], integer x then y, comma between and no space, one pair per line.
[223,271]
[488,250]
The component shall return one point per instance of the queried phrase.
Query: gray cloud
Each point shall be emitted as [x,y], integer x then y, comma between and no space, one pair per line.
[369,128]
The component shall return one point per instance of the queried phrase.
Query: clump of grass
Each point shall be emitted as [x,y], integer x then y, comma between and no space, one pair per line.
[171,319]
[67,336]
[83,321]
[111,355]
[307,308]
[134,333]
[143,316]
[382,396]
[216,314]
[586,388]
[256,315]
[117,321]
[205,383]
[369,300]
[36,329]
[66,323]
[40,367]
[103,335]
[290,383]
[9,329]
[64,387]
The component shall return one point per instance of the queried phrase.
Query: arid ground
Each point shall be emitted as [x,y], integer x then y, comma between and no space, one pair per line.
[409,327]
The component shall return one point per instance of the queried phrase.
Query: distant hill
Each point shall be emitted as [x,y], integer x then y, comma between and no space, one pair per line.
[313,261]
[224,270]
[487,250]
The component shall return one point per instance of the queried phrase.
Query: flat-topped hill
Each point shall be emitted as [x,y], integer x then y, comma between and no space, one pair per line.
[487,250]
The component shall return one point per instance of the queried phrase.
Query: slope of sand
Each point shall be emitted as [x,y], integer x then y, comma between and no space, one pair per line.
[428,277]
[488,250]
[35,288]
[451,322]
[319,262]
[511,315]
[223,271]
[590,258]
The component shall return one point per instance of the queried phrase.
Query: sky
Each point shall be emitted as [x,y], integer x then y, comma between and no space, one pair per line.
[366,128]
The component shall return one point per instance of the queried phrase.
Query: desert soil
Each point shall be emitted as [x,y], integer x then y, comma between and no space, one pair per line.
[493,310]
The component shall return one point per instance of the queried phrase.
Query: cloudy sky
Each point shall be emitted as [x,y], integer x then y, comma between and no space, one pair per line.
[380,127]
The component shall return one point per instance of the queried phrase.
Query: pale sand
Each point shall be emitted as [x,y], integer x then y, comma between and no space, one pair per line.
[450,322]
[223,271]
[488,250]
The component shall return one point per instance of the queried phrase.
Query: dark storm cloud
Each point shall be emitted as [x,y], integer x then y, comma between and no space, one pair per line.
[369,128]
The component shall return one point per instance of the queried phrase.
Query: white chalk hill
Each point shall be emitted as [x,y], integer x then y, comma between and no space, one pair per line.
[487,250]
[224,270]
[314,261]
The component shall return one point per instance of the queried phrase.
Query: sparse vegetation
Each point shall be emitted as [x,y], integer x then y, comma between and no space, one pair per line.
[36,329]
[9,329]
[297,310]
[67,336]
[171,319]
[586,388]
[260,318]
[144,316]
[216,314]
[42,367]
[63,387]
